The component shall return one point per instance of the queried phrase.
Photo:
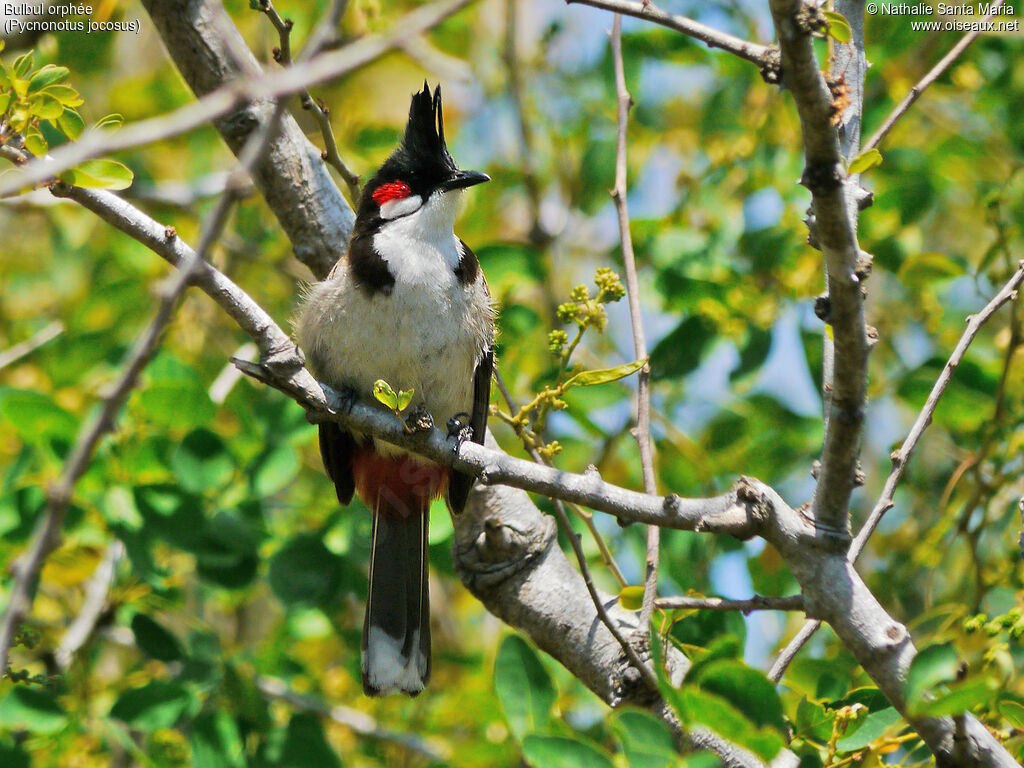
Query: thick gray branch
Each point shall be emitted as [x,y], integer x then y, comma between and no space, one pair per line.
[825,177]
[209,52]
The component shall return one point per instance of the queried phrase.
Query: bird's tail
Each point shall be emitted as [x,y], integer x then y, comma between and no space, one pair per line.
[396,630]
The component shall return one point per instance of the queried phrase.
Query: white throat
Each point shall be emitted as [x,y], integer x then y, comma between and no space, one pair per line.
[421,246]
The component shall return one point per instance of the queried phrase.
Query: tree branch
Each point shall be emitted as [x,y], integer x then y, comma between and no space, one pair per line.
[354,719]
[44,336]
[96,591]
[581,560]
[755,603]
[643,392]
[835,233]
[932,75]
[190,29]
[901,457]
[283,56]
[764,56]
[47,534]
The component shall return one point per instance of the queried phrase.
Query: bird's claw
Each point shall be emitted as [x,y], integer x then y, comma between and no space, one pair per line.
[419,420]
[459,429]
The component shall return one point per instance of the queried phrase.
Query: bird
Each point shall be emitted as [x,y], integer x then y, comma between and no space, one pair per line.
[408,304]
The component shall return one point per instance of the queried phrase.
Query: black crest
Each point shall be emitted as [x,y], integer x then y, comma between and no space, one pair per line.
[424,133]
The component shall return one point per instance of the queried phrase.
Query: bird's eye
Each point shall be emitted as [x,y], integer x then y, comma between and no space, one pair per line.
[396,190]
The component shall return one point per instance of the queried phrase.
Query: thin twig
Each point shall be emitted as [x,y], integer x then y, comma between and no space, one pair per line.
[93,606]
[47,534]
[921,85]
[753,52]
[643,392]
[581,559]
[586,517]
[1008,292]
[317,108]
[46,537]
[528,155]
[792,648]
[755,603]
[229,97]
[356,720]
[22,349]
[901,457]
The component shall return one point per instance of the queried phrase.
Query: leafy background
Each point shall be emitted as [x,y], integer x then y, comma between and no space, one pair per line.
[239,564]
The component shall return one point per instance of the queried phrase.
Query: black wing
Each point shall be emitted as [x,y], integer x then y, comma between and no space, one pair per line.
[460,483]
[336,449]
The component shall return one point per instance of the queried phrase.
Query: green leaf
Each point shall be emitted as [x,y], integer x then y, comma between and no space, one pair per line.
[13,756]
[155,705]
[35,143]
[864,161]
[745,688]
[922,269]
[604,375]
[176,404]
[563,752]
[170,514]
[31,709]
[5,101]
[103,173]
[384,394]
[275,470]
[154,640]
[838,26]
[523,686]
[45,107]
[701,707]
[305,572]
[754,352]
[111,122]
[874,727]
[202,462]
[36,416]
[933,666]
[961,697]
[22,65]
[216,742]
[646,740]
[631,598]
[1013,711]
[813,721]
[228,554]
[683,348]
[71,124]
[404,398]
[48,75]
[306,746]
[65,94]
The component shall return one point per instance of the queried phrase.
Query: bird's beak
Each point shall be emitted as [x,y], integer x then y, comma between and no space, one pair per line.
[463,179]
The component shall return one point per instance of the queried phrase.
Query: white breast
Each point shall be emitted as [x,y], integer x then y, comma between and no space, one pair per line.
[428,334]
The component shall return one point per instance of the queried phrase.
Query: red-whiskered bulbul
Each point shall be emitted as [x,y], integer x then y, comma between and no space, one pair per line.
[407,304]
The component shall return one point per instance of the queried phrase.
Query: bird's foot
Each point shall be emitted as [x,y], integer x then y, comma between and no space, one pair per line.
[459,429]
[419,420]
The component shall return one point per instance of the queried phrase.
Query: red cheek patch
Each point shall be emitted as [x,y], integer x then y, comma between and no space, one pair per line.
[394,191]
